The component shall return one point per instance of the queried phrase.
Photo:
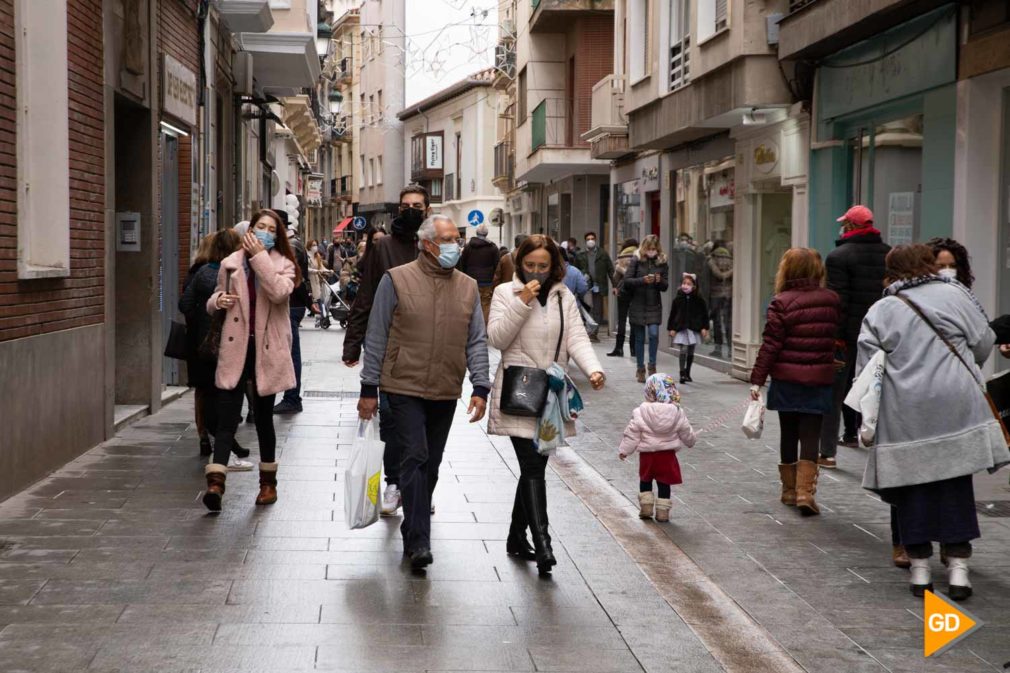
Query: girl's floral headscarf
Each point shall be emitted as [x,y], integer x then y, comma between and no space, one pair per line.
[661,388]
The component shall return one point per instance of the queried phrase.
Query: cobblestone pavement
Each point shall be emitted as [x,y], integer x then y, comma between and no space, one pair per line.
[112,564]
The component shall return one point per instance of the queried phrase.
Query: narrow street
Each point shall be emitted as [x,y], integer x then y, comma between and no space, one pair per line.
[112,563]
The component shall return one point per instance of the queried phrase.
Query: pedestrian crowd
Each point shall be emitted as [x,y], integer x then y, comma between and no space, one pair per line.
[425,306]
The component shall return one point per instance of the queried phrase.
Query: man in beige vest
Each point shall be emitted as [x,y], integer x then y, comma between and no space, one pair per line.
[425,330]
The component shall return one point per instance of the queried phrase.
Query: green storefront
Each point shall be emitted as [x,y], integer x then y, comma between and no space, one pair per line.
[885,112]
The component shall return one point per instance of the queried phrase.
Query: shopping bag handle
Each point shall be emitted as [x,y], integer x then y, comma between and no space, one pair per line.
[366,428]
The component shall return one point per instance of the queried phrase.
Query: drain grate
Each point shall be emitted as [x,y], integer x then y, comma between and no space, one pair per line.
[332,394]
[997,509]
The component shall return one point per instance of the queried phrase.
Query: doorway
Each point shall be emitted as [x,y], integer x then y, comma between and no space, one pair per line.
[654,206]
[168,296]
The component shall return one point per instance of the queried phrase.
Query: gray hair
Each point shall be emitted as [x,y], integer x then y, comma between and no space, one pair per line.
[427,230]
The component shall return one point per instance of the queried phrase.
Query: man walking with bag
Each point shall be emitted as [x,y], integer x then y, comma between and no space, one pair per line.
[425,330]
[596,263]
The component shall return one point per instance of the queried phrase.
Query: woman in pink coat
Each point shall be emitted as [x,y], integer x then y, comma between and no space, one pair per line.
[253,287]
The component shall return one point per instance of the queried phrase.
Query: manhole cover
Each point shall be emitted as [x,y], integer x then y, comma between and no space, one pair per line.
[1000,508]
[332,394]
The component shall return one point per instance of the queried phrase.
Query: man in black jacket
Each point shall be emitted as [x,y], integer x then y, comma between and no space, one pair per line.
[386,253]
[479,261]
[856,272]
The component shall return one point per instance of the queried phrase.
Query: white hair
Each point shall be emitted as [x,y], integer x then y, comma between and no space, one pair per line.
[427,230]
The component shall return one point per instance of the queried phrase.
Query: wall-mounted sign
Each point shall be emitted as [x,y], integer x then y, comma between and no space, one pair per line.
[314,191]
[766,157]
[721,190]
[178,90]
[433,152]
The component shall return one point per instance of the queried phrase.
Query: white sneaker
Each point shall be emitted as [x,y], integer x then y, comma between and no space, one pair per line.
[236,464]
[391,500]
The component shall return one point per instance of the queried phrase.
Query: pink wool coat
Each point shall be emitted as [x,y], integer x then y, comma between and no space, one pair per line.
[657,426]
[275,372]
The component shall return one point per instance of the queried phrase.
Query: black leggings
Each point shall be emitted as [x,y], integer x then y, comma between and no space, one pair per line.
[663,489]
[799,430]
[229,409]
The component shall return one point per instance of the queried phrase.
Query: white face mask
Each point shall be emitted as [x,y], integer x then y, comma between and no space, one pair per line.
[314,250]
[591,244]
[948,273]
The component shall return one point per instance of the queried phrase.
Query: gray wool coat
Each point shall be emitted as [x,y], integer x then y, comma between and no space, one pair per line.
[934,421]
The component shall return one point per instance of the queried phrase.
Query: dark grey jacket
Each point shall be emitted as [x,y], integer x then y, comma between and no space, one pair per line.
[646,306]
[193,302]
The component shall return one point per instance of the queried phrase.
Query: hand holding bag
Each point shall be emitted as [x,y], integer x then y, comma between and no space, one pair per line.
[864,397]
[524,389]
[363,477]
[754,418]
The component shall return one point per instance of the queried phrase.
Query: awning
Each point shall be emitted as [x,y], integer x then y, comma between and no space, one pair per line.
[343,225]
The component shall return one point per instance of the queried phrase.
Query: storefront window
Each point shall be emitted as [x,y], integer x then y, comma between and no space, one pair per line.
[629,211]
[703,242]
[775,211]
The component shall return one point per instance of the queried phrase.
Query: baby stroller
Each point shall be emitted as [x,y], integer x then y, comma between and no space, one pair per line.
[338,309]
[324,303]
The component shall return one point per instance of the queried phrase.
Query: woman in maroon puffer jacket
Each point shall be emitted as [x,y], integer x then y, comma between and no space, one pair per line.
[798,353]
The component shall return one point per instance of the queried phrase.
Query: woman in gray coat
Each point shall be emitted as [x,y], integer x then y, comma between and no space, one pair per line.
[646,278]
[934,429]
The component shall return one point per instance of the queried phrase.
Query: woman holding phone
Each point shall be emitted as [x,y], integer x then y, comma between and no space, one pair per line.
[647,277]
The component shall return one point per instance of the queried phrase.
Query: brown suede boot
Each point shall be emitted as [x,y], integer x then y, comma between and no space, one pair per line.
[268,484]
[806,487]
[652,370]
[216,476]
[787,473]
[900,557]
[640,374]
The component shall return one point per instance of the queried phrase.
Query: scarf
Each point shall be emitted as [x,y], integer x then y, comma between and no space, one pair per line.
[897,286]
[859,232]
[563,404]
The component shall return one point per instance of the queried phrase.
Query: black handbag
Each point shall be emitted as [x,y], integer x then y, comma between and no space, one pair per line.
[211,343]
[176,347]
[524,389]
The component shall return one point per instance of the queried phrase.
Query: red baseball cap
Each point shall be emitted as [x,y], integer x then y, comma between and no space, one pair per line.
[861,216]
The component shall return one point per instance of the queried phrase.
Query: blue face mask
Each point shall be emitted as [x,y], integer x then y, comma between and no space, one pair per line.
[266,238]
[448,255]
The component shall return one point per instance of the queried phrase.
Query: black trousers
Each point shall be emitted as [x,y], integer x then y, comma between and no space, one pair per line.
[531,466]
[842,385]
[387,433]
[421,428]
[229,411]
[623,304]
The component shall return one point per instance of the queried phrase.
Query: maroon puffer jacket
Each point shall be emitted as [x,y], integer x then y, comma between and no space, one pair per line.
[799,337]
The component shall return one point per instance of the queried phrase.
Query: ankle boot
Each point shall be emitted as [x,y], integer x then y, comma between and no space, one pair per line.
[268,484]
[806,487]
[787,473]
[663,506]
[534,497]
[640,374]
[216,476]
[959,588]
[646,504]
[618,347]
[516,544]
[690,363]
[652,369]
[921,581]
[899,556]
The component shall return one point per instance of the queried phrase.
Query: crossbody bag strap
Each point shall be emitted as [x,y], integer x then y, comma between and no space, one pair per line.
[915,307]
[561,334]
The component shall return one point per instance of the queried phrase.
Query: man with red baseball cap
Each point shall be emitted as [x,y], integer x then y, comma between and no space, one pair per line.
[856,272]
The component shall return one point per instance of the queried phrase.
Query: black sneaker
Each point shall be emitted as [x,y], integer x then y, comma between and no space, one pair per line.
[850,442]
[286,407]
[421,559]
[249,418]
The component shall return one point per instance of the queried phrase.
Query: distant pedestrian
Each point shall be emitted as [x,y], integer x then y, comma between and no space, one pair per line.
[506,264]
[624,257]
[658,430]
[646,279]
[300,302]
[797,352]
[253,287]
[318,274]
[856,272]
[595,263]
[720,295]
[952,260]
[479,261]
[688,322]
[526,326]
[934,428]
[425,329]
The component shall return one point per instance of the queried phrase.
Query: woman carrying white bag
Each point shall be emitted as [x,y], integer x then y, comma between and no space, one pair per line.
[363,477]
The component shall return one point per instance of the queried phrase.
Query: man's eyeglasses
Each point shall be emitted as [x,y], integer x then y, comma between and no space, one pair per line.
[404,207]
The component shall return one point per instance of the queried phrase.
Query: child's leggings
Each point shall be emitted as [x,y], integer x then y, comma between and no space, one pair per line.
[664,489]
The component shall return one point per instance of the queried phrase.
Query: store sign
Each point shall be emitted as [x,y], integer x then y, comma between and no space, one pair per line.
[766,157]
[314,192]
[433,153]
[178,90]
[721,190]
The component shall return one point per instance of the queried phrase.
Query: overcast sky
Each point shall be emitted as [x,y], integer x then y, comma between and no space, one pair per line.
[445,44]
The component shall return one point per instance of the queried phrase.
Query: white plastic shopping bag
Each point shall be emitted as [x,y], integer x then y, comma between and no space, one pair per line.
[864,396]
[754,418]
[363,477]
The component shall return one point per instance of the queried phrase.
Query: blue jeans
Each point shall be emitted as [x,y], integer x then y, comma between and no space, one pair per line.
[638,335]
[294,396]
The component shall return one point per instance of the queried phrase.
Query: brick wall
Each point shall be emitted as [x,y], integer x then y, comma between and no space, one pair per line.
[592,45]
[36,307]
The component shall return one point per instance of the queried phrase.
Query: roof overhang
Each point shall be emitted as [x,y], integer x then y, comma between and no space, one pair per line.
[556,163]
[246,16]
[283,63]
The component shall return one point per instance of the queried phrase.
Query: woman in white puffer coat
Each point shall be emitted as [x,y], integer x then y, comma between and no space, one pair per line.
[524,323]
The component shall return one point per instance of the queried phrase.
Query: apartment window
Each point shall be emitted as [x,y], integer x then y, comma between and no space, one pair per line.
[637,38]
[521,97]
[378,172]
[371,172]
[680,43]
[365,44]
[43,139]
[380,112]
[713,17]
[371,109]
[436,188]
[363,172]
[378,39]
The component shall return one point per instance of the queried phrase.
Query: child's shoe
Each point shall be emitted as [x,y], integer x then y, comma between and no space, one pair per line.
[663,509]
[646,502]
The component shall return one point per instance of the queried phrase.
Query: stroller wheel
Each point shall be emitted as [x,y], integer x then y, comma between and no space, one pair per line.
[343,324]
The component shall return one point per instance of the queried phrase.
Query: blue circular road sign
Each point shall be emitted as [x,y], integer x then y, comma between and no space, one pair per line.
[359,223]
[475,218]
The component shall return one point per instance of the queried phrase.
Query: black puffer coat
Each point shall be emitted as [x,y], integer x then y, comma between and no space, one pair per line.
[689,311]
[646,307]
[856,273]
[200,285]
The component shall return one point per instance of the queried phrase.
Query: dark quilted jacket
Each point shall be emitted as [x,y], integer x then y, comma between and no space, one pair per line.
[689,311]
[799,337]
[856,273]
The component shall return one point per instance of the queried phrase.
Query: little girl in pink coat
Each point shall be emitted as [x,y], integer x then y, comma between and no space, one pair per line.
[657,430]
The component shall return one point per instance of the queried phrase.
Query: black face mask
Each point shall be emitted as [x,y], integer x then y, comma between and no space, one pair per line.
[407,224]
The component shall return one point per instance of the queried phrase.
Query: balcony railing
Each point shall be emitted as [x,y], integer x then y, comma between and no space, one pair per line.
[346,69]
[504,164]
[797,5]
[551,123]
[345,186]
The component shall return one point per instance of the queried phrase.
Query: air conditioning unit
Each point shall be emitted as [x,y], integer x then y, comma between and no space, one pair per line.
[242,70]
